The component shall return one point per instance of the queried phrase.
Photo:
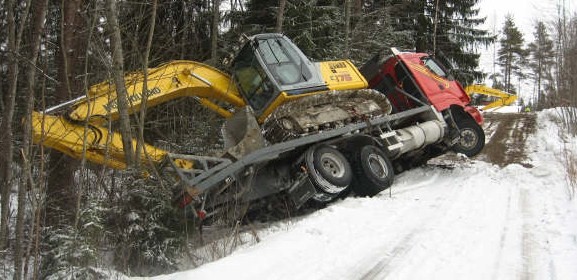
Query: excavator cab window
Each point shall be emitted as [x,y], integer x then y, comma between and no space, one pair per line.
[283,61]
[252,79]
[269,64]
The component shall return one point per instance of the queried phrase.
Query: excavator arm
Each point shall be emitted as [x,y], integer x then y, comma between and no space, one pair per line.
[503,98]
[81,130]
[167,82]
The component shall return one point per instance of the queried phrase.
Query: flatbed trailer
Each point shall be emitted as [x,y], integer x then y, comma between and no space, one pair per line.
[284,168]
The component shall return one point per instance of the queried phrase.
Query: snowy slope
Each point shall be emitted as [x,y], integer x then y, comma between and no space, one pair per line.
[476,221]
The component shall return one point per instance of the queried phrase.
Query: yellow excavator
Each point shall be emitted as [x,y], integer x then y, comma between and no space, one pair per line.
[267,73]
[502,98]
[294,127]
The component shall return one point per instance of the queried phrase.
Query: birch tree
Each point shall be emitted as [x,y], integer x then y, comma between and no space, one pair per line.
[146,55]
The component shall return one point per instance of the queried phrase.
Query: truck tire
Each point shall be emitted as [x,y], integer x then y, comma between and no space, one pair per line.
[373,171]
[472,137]
[329,171]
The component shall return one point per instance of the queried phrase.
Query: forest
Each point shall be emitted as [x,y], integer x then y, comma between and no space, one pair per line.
[68,218]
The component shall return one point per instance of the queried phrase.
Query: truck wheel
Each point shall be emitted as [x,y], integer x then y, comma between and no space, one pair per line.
[472,137]
[373,171]
[329,171]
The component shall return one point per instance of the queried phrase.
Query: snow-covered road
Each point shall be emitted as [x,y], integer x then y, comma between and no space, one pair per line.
[478,220]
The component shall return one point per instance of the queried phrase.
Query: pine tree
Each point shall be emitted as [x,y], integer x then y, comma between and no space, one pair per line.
[511,53]
[542,58]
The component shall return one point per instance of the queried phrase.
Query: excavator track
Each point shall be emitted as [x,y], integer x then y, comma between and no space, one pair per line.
[315,113]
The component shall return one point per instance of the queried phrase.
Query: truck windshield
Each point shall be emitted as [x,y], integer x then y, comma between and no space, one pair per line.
[251,79]
[434,67]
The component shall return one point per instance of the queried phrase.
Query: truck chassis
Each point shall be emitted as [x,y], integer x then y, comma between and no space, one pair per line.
[283,167]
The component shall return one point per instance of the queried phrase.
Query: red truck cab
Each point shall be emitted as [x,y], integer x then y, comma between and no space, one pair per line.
[411,80]
[406,77]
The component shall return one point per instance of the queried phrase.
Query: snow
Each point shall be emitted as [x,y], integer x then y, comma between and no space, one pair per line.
[473,221]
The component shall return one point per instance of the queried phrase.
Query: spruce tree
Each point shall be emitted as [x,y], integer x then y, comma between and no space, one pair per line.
[511,53]
[372,30]
[319,27]
[446,28]
[260,16]
[542,59]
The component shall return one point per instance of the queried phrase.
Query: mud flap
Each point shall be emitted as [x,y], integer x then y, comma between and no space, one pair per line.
[242,134]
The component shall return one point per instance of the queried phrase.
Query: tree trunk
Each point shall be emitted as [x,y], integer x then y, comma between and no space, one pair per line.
[435,24]
[214,32]
[422,31]
[357,9]
[6,125]
[7,135]
[280,15]
[26,179]
[60,191]
[118,77]
[347,28]
[140,144]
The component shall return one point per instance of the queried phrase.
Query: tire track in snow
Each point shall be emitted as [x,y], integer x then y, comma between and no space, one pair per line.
[527,238]
[398,251]
[502,240]
[515,256]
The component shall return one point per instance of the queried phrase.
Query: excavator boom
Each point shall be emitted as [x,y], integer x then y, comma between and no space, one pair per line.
[167,82]
[503,98]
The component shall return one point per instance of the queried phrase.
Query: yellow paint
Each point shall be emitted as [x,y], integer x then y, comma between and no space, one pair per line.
[83,128]
[342,75]
[425,71]
[167,82]
[503,98]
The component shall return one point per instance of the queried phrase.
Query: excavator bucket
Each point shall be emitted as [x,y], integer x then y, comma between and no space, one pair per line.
[242,134]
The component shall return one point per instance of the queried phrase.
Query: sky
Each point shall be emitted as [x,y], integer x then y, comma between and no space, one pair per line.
[525,13]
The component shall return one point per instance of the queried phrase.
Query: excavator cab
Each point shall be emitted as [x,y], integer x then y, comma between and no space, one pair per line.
[269,64]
